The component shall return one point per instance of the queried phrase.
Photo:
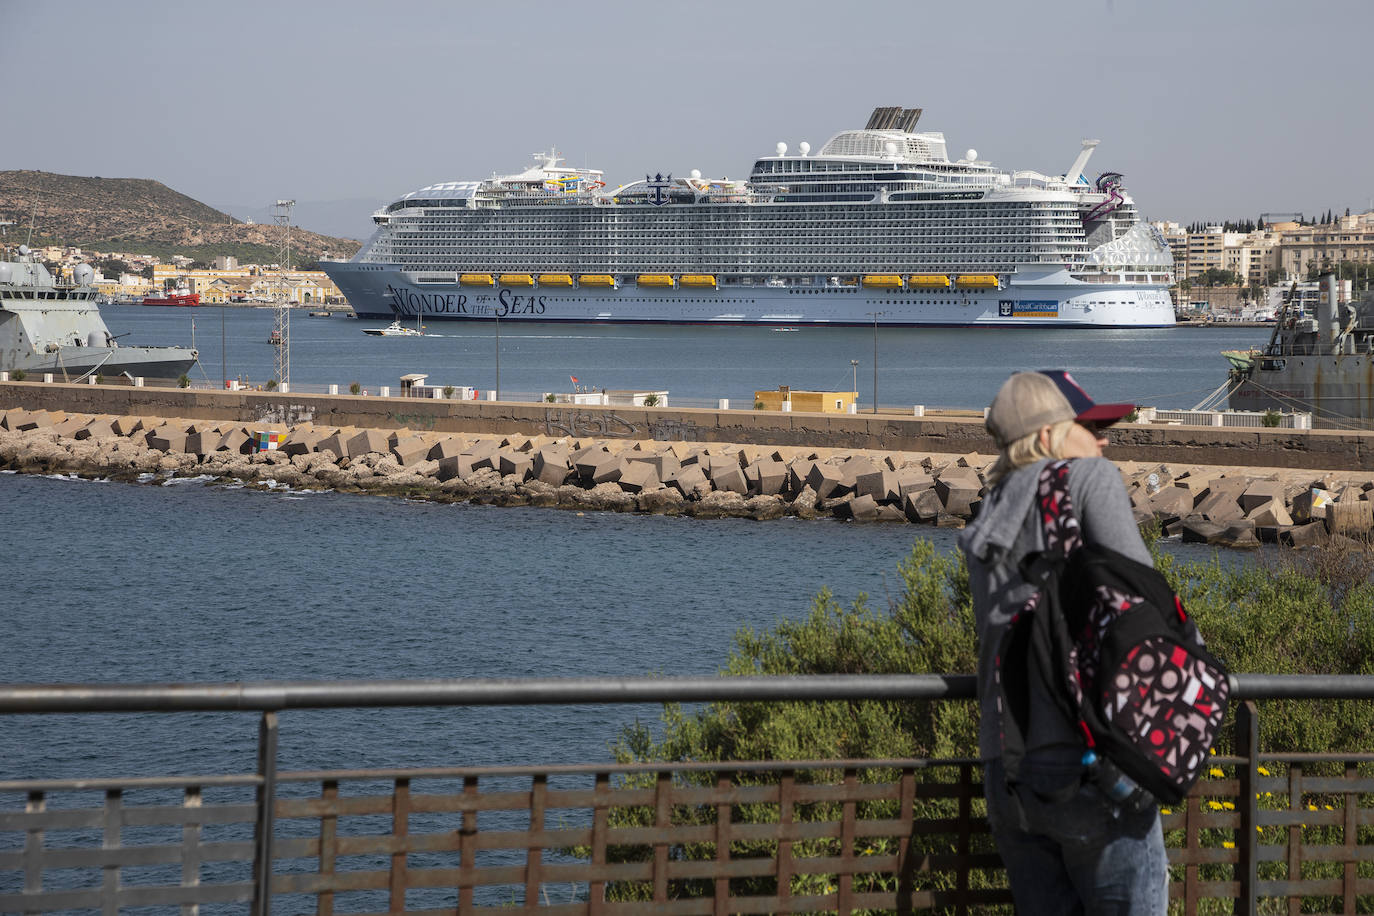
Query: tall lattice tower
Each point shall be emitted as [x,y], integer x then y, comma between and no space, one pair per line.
[281,215]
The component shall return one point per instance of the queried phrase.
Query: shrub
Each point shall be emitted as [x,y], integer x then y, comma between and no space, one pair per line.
[18,375]
[271,384]
[354,388]
[1271,418]
[759,405]
[1309,612]
[100,379]
[650,400]
[183,381]
[550,397]
[448,391]
[1132,416]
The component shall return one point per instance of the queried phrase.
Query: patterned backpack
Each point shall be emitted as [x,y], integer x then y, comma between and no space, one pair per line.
[1112,642]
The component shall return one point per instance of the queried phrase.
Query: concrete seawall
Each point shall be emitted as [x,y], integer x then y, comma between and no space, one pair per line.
[1269,448]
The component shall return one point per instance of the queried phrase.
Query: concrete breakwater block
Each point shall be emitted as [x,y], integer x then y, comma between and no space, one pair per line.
[366,442]
[166,439]
[448,447]
[410,450]
[551,465]
[639,476]
[98,428]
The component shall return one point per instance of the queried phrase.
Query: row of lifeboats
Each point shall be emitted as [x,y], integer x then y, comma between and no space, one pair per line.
[708,281]
[931,281]
[656,281]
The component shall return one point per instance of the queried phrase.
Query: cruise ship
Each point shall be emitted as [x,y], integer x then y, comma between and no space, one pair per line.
[879,226]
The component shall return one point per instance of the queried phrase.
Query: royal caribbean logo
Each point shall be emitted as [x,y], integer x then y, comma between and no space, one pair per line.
[658,185]
[1028,308]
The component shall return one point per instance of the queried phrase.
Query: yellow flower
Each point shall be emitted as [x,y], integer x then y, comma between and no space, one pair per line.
[1227,844]
[1166,811]
[1311,808]
[1229,806]
[1211,750]
[1262,771]
[1328,808]
[1215,771]
[1214,805]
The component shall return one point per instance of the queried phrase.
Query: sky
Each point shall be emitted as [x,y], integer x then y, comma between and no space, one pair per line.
[1213,109]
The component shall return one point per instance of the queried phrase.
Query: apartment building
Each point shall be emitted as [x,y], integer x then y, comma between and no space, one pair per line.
[1282,251]
[1349,238]
[235,284]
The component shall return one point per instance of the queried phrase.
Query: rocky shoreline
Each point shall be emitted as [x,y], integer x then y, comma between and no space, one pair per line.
[1232,507]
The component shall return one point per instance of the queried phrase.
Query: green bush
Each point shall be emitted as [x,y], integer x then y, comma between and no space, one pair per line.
[271,384]
[354,388]
[183,381]
[759,405]
[18,375]
[550,397]
[1271,418]
[650,400]
[448,391]
[1305,612]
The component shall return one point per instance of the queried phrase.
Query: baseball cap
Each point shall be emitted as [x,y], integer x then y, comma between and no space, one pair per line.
[1030,400]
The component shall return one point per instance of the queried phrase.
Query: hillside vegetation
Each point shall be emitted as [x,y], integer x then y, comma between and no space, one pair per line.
[142,216]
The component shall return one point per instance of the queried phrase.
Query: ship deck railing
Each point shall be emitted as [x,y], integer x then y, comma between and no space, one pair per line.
[1265,829]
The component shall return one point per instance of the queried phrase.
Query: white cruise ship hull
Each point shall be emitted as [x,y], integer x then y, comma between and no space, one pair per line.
[1051,299]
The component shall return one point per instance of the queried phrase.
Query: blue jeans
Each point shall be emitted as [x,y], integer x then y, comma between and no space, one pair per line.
[1079,856]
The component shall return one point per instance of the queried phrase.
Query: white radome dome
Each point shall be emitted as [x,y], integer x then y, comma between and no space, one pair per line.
[782,148]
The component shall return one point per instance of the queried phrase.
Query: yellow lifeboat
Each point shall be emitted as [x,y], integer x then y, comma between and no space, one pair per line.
[928,281]
[475,279]
[697,280]
[659,280]
[596,280]
[883,281]
[517,280]
[555,280]
[977,281]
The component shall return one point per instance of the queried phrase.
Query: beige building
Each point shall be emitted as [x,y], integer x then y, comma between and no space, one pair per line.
[250,284]
[1282,252]
[1349,238]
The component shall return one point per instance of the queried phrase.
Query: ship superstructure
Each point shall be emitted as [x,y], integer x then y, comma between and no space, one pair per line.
[51,327]
[1322,364]
[879,224]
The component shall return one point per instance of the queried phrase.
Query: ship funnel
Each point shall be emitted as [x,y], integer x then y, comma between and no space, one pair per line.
[1329,325]
[1079,164]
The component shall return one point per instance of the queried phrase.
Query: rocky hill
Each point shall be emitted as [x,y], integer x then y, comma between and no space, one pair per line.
[141,216]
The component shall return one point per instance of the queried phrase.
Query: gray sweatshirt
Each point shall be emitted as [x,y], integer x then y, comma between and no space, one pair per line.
[1007,529]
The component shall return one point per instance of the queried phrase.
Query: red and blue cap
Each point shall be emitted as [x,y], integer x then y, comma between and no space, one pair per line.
[1029,400]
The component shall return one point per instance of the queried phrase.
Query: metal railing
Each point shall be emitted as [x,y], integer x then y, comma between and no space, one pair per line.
[1271,829]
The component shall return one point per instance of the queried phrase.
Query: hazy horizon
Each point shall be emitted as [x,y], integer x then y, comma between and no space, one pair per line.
[1212,111]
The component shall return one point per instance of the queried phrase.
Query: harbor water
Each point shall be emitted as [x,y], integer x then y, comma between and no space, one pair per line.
[199,581]
[936,367]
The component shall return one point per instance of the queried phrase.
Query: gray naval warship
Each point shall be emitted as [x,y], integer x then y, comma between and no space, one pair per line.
[1323,364]
[46,326]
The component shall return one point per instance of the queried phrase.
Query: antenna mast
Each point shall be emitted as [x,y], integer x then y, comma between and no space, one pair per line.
[281,215]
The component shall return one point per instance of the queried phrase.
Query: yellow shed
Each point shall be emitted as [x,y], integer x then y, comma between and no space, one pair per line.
[806,401]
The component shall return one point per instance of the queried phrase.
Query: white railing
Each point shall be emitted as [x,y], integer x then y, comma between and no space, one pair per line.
[1248,419]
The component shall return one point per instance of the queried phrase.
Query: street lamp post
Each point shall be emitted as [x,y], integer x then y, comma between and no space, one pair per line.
[875,358]
[854,364]
[498,357]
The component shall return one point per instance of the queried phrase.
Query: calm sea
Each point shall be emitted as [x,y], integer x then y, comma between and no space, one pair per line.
[1174,367]
[196,582]
[205,582]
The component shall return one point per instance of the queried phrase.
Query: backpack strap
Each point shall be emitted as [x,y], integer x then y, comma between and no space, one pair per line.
[1063,533]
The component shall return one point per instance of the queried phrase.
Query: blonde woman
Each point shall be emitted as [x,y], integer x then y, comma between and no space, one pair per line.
[1068,848]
